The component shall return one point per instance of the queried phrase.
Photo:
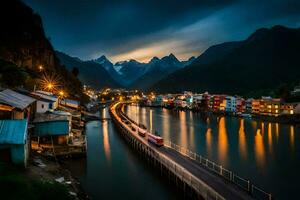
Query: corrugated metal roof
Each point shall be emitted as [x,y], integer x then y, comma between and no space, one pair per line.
[45,96]
[13,131]
[15,99]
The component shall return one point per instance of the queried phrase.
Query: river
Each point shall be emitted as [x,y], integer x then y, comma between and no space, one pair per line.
[268,154]
[114,171]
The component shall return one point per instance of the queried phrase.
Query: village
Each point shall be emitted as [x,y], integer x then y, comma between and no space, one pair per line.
[40,129]
[265,107]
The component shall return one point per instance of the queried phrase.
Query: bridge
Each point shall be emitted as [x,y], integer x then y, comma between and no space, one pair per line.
[198,177]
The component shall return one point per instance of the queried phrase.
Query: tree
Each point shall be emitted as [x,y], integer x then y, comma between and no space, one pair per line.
[75,71]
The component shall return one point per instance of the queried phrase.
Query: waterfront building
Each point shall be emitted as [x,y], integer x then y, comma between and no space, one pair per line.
[215,102]
[53,127]
[49,96]
[14,105]
[255,106]
[197,100]
[189,101]
[158,100]
[248,105]
[229,104]
[240,105]
[269,106]
[44,105]
[70,103]
[14,141]
[288,108]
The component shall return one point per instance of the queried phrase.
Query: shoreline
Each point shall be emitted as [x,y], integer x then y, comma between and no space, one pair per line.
[283,119]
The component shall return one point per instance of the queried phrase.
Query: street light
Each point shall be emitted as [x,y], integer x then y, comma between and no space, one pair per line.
[41,67]
[61,93]
[50,86]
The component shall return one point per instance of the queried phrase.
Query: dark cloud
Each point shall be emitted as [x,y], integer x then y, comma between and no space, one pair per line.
[89,28]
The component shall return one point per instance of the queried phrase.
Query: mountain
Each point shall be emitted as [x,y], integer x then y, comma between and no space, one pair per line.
[157,69]
[109,66]
[130,70]
[24,46]
[264,61]
[189,61]
[90,72]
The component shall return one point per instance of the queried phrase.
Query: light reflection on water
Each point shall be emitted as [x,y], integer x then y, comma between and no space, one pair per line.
[223,141]
[242,140]
[266,153]
[106,144]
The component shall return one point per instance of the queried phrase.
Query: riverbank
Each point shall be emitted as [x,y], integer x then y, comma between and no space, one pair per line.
[283,119]
[41,179]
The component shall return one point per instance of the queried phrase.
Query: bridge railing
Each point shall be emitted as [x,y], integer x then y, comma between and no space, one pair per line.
[255,191]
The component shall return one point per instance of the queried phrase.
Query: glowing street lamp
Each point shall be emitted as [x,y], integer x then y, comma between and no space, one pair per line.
[41,68]
[61,93]
[50,86]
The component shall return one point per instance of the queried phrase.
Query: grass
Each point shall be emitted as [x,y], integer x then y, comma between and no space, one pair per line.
[15,185]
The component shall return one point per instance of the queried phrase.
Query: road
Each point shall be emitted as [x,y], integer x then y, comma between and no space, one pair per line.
[223,187]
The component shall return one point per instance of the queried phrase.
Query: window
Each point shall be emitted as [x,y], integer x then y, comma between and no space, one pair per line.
[42,106]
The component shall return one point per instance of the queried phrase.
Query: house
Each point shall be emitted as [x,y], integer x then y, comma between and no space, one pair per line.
[249,105]
[215,102]
[53,127]
[229,104]
[288,108]
[189,100]
[240,105]
[47,96]
[43,105]
[255,106]
[14,105]
[14,141]
[70,103]
[158,101]
[269,106]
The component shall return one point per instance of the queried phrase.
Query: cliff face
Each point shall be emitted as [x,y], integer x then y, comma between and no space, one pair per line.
[22,37]
[23,43]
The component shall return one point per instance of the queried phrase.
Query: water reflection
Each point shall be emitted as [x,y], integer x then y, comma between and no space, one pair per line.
[151,120]
[242,140]
[277,131]
[166,123]
[208,141]
[270,137]
[260,151]
[144,113]
[292,137]
[259,148]
[222,141]
[106,144]
[183,131]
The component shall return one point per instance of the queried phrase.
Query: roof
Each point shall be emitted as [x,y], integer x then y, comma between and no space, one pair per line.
[13,131]
[15,99]
[45,96]
[50,117]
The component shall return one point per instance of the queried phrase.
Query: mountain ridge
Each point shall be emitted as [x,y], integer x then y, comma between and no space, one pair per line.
[262,57]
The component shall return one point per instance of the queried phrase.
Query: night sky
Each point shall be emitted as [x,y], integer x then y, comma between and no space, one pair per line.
[142,29]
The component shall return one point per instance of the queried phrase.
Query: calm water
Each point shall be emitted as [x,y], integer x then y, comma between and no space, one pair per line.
[266,153]
[114,171]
